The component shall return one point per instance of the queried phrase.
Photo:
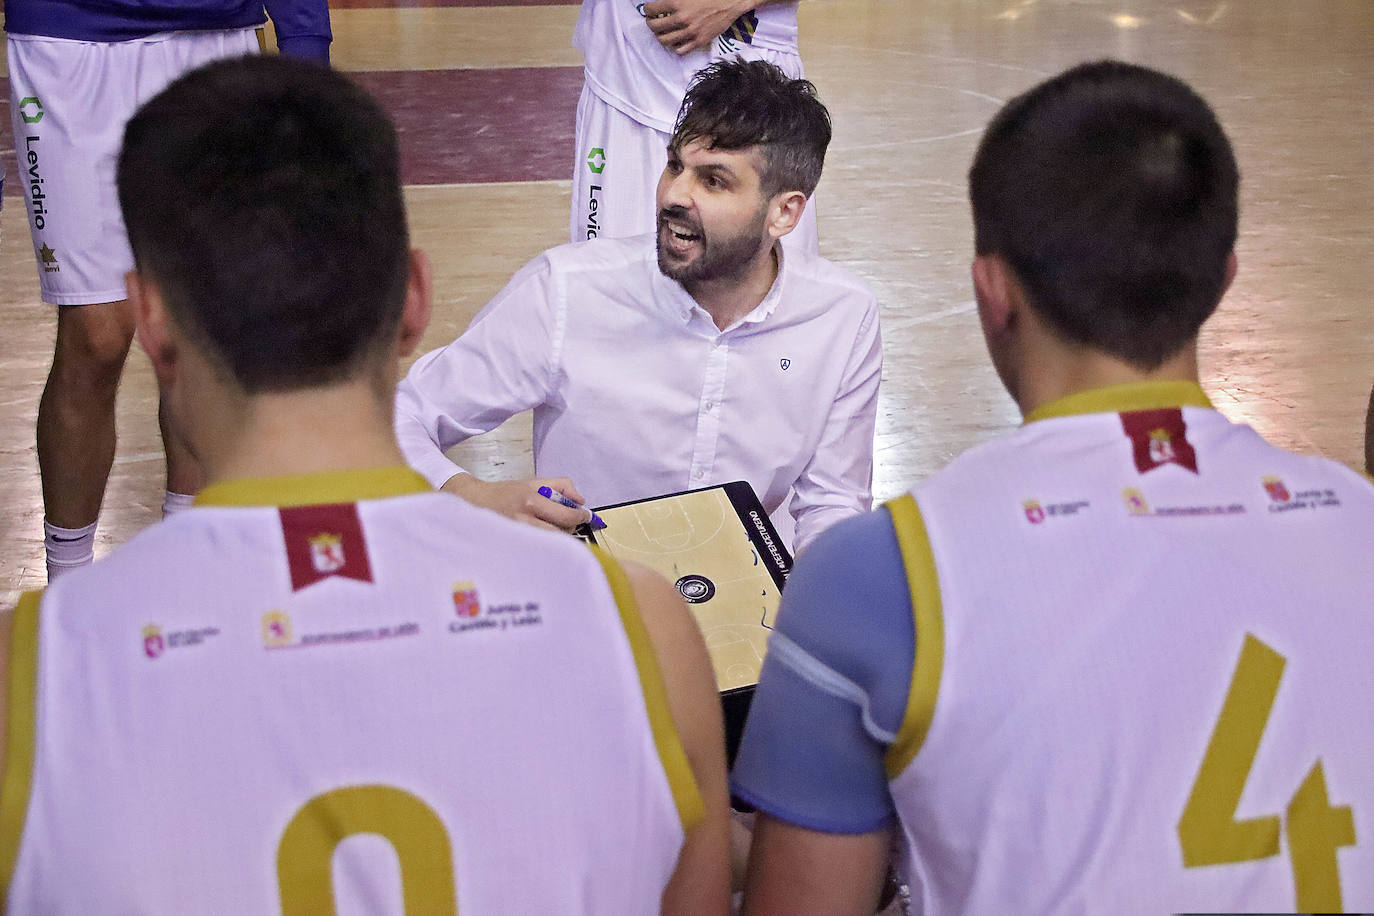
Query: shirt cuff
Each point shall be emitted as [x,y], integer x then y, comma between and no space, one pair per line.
[305,47]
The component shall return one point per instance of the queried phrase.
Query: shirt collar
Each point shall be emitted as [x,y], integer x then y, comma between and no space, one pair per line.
[323,488]
[685,306]
[1125,398]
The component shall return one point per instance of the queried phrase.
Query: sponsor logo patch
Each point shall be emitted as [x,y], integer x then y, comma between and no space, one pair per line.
[1281,499]
[1037,513]
[157,643]
[31,109]
[1136,505]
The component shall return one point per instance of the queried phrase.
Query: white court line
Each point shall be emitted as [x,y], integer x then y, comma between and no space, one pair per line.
[956,60]
[141,457]
[910,142]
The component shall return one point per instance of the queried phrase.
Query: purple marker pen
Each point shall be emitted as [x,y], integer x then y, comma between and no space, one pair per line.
[550,493]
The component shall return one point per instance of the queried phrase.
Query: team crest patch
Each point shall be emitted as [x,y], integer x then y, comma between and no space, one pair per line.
[1159,437]
[153,645]
[1277,491]
[324,541]
[1135,501]
[276,629]
[466,602]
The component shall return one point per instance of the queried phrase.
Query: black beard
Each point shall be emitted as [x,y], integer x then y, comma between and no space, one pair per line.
[722,259]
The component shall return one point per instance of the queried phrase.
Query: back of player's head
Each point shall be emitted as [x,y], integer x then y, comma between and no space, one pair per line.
[263,197]
[1110,191]
[738,104]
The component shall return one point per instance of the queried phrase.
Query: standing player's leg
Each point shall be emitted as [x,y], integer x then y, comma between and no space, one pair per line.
[66,133]
[615,173]
[76,426]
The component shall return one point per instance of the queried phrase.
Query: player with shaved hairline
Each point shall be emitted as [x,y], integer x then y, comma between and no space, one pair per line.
[326,686]
[1116,661]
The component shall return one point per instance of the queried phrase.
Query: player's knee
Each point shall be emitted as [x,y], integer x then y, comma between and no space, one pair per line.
[94,342]
[89,360]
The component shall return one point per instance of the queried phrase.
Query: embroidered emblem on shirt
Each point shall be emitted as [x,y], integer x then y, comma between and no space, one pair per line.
[1159,437]
[324,541]
[785,363]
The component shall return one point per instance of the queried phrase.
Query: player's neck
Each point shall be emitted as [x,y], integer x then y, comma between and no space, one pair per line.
[1049,377]
[334,428]
[727,300]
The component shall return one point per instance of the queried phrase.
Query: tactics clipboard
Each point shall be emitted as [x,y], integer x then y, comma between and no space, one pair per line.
[718,546]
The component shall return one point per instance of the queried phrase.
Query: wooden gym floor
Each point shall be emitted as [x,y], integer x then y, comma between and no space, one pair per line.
[485,93]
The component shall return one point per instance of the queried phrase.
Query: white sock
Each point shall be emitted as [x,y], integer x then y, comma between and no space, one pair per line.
[67,548]
[173,503]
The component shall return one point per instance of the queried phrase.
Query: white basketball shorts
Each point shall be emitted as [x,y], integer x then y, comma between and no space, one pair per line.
[69,101]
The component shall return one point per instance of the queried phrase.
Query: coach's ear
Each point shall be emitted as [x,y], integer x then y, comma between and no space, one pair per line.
[785,212]
[153,324]
[415,313]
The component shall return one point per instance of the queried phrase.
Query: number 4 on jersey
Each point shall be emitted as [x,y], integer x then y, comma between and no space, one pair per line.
[1208,831]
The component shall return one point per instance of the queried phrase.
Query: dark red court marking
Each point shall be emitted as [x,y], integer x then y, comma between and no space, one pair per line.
[481,125]
[417,4]
[456,126]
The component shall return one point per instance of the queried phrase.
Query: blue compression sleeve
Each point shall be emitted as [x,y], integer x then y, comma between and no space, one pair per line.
[834,685]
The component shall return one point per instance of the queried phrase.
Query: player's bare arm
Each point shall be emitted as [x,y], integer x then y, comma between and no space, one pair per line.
[701,883]
[795,870]
[521,500]
[691,25]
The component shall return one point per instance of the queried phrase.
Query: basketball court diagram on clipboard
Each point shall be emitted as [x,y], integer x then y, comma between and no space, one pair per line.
[718,546]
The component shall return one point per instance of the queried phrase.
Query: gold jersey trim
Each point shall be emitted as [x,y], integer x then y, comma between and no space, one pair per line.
[1124,399]
[323,488]
[21,712]
[691,809]
[926,609]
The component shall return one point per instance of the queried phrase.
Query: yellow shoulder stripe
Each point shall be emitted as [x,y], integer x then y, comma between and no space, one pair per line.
[19,736]
[919,562]
[690,808]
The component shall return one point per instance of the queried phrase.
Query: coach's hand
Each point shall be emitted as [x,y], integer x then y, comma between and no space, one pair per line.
[520,499]
[691,25]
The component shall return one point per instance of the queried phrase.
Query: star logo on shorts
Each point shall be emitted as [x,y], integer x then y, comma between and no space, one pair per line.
[49,258]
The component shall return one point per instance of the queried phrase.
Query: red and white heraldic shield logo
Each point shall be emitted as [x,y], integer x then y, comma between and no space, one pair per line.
[1159,437]
[324,541]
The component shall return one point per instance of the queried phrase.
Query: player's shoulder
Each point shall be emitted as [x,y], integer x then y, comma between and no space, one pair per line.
[848,596]
[857,557]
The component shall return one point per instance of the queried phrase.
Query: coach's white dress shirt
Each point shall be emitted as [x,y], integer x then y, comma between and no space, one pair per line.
[637,393]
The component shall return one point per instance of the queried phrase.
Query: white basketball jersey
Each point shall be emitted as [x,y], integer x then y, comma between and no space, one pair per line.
[339,690]
[1143,682]
[627,67]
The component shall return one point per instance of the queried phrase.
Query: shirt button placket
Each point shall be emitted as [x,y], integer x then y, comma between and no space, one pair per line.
[708,412]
